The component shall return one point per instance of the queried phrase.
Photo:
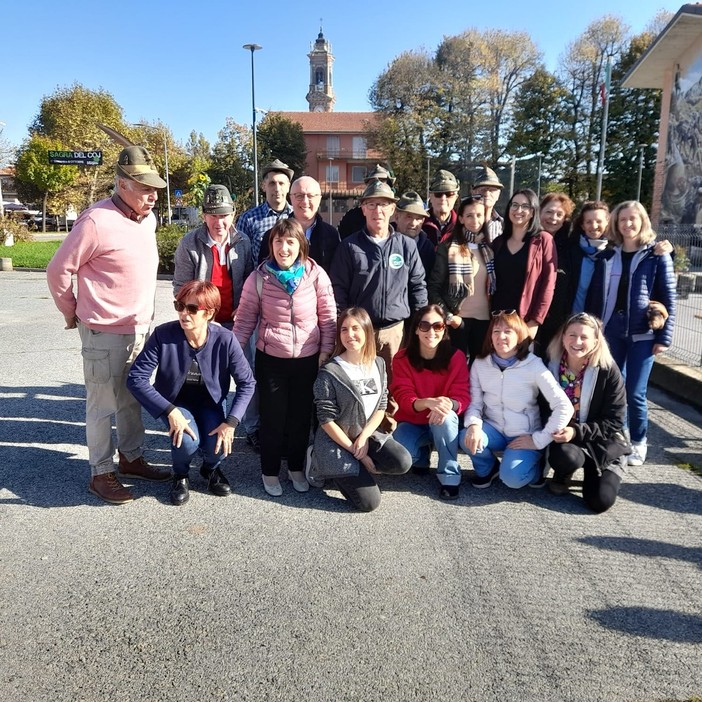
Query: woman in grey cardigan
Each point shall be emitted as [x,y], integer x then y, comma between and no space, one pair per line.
[351,396]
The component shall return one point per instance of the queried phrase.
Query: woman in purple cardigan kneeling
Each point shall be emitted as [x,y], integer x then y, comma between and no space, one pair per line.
[195,361]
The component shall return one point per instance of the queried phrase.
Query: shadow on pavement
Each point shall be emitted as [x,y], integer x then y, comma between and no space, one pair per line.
[675,498]
[646,547]
[651,623]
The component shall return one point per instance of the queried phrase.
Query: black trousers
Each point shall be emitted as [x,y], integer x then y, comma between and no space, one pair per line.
[361,490]
[285,405]
[469,337]
[599,490]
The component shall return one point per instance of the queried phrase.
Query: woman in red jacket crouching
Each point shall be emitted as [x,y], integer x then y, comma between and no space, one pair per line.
[430,386]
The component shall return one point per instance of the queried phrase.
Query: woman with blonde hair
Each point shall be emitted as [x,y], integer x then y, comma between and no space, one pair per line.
[581,362]
[351,395]
[622,289]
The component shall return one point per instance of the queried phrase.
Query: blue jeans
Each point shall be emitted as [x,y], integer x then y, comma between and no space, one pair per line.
[203,419]
[635,361]
[518,468]
[418,439]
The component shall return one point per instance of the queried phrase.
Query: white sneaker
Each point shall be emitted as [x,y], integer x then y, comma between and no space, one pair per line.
[637,457]
[314,482]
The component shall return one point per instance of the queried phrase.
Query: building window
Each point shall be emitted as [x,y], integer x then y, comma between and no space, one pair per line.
[359,147]
[358,173]
[332,174]
[319,76]
[333,146]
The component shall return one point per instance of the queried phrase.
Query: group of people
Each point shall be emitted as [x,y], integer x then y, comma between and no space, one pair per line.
[357,353]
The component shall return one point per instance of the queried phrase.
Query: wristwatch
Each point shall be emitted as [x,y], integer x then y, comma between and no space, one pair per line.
[449,318]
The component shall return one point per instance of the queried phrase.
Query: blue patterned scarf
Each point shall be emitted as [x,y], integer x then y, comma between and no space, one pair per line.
[290,278]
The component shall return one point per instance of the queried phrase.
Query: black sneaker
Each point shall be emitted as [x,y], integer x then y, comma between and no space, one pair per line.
[485,481]
[420,470]
[538,483]
[560,485]
[253,441]
[449,492]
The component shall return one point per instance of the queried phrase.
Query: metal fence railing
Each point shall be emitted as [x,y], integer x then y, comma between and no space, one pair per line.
[687,337]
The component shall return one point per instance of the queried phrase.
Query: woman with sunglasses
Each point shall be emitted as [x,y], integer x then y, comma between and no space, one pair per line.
[289,299]
[581,362]
[351,396]
[195,361]
[430,386]
[525,262]
[505,383]
[463,278]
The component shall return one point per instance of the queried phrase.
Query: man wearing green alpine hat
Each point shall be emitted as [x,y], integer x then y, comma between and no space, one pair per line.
[112,252]
[216,252]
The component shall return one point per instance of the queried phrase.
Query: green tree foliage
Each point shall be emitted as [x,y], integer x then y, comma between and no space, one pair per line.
[452,107]
[33,167]
[539,122]
[406,95]
[633,129]
[279,137]
[231,162]
[582,72]
[70,116]
[154,136]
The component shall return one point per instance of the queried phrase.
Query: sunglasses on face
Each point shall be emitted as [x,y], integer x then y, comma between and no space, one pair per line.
[426,326]
[439,196]
[180,306]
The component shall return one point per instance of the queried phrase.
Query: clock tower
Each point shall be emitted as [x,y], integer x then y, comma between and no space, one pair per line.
[321,93]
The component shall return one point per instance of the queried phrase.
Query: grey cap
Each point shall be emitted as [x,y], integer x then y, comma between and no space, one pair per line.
[135,163]
[486,176]
[377,188]
[443,182]
[277,166]
[411,202]
[217,201]
[379,173]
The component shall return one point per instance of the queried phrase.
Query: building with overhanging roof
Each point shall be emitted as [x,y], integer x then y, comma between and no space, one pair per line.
[673,64]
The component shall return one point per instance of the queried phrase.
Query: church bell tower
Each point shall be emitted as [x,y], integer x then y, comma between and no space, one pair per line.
[321,93]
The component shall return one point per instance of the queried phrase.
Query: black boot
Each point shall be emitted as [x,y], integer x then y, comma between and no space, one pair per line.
[180,490]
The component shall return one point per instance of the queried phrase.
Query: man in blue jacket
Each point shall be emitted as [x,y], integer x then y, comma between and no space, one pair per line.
[380,270]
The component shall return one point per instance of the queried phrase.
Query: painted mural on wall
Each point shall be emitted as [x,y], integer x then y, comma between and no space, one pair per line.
[682,195]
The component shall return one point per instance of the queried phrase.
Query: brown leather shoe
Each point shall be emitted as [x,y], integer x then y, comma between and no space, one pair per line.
[139,468]
[108,488]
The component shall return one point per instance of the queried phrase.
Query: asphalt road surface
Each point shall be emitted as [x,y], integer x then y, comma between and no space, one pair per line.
[501,595]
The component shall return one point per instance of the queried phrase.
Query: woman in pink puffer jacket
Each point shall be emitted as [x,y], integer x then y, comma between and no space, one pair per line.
[289,299]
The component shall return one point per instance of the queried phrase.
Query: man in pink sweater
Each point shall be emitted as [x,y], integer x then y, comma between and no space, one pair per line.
[112,252]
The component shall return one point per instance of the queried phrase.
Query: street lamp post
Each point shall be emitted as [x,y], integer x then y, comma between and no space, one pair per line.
[252,48]
[2,207]
[165,157]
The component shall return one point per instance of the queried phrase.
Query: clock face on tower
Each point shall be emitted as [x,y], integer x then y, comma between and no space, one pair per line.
[318,108]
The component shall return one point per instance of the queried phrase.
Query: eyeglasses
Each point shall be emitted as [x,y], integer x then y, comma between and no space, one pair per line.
[500,313]
[192,309]
[439,196]
[299,197]
[520,206]
[377,205]
[426,326]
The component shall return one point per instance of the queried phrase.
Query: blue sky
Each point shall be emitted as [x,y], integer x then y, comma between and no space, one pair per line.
[183,63]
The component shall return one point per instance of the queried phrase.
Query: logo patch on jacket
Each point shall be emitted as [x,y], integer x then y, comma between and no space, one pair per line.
[396,261]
